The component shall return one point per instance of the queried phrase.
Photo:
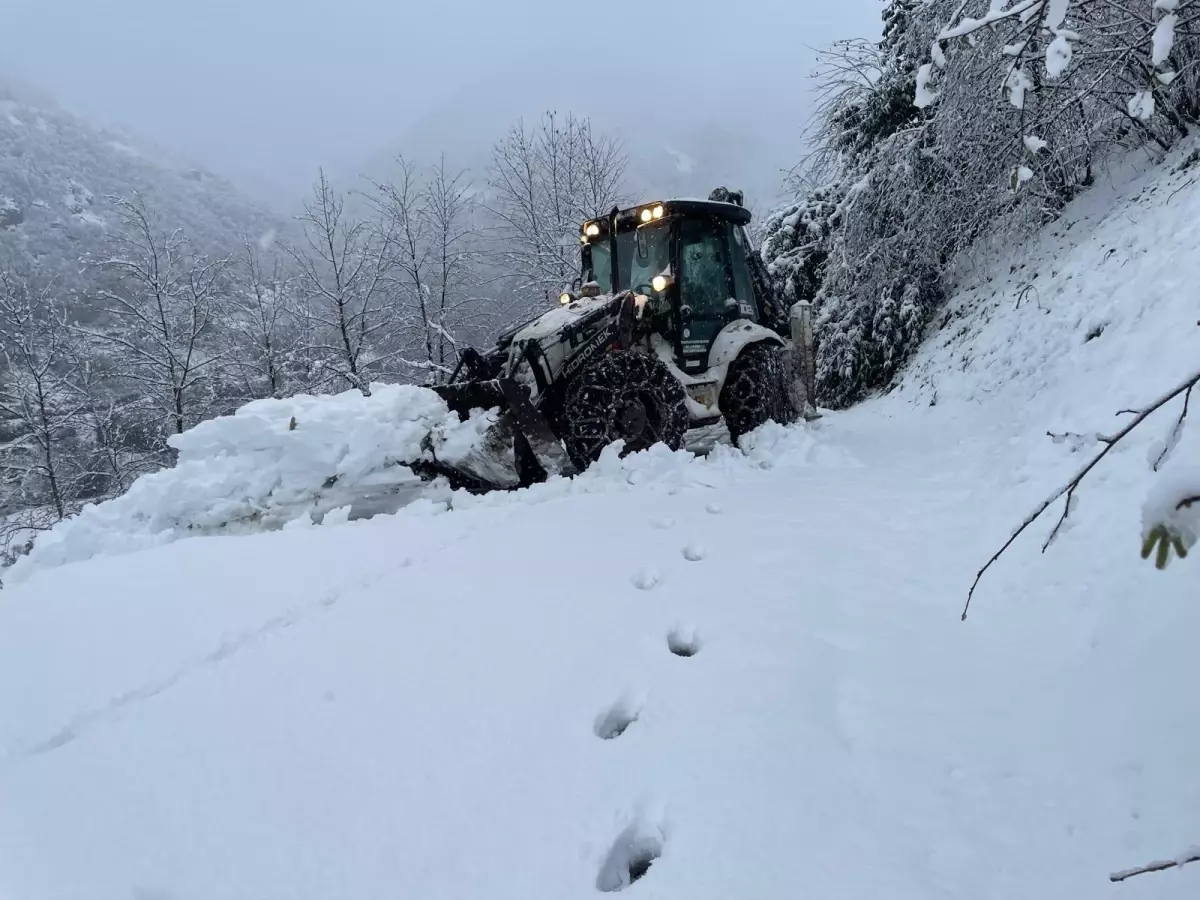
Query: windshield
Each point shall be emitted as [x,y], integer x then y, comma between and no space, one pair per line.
[635,269]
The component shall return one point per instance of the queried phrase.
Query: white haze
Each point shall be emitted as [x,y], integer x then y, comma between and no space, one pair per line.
[265,91]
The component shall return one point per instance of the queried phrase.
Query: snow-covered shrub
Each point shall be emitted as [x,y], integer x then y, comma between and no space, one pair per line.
[796,241]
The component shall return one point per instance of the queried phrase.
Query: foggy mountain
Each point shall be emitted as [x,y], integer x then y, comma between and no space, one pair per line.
[58,171]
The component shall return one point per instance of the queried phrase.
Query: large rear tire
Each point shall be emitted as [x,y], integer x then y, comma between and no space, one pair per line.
[756,390]
[622,396]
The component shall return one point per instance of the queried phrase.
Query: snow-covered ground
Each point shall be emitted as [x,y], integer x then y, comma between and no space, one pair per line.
[750,667]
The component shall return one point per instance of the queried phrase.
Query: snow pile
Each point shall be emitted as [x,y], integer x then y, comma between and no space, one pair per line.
[272,462]
[660,470]
[276,462]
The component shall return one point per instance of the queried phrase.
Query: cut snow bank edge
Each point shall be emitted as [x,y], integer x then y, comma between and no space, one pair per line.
[270,463]
[288,463]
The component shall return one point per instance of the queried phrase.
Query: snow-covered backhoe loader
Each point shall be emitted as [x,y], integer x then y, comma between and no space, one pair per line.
[673,325]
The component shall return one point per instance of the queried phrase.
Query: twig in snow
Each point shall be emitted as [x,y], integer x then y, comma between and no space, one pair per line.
[1024,292]
[1079,439]
[1190,856]
[1186,184]
[1175,434]
[1184,387]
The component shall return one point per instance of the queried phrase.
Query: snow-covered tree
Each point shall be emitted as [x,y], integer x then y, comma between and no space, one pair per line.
[459,312]
[39,402]
[969,117]
[853,242]
[267,360]
[546,181]
[796,240]
[61,438]
[437,247]
[345,267]
[160,303]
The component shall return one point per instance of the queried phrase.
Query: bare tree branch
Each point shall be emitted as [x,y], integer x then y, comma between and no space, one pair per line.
[1068,489]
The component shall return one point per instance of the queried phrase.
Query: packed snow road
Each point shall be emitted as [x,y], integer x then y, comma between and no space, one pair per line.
[742,676]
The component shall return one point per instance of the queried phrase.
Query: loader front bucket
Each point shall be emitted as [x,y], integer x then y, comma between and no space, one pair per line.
[537,451]
[464,396]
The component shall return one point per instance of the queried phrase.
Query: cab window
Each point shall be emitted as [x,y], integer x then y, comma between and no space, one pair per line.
[704,285]
[743,286]
[600,263]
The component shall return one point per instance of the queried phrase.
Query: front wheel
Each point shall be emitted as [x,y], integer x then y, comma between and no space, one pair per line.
[756,390]
[623,396]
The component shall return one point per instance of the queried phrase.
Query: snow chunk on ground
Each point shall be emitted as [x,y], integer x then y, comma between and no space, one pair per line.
[271,462]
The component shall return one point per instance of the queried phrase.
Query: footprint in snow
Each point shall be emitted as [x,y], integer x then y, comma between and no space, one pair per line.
[646,579]
[664,522]
[630,858]
[714,507]
[612,722]
[683,641]
[694,552]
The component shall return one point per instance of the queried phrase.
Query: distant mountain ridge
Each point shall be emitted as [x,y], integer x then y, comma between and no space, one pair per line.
[57,173]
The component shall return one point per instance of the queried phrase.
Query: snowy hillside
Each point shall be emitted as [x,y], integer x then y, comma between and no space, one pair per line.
[737,676]
[57,171]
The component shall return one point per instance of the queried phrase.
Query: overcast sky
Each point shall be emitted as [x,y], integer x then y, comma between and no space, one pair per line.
[264,91]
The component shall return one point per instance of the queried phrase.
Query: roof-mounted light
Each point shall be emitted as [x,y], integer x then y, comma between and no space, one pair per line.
[647,215]
[658,211]
[592,229]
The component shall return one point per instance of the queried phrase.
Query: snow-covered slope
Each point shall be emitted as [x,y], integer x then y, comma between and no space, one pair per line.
[748,667]
[57,173]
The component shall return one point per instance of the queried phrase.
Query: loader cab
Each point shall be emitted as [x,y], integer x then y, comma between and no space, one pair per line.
[691,258]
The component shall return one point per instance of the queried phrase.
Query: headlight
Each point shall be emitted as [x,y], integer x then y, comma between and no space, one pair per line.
[564,298]
[659,283]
